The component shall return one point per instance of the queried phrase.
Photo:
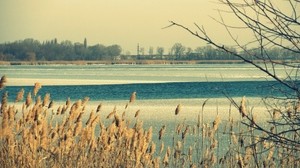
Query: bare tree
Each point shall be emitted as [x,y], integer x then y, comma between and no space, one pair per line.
[271,25]
[160,52]
[178,50]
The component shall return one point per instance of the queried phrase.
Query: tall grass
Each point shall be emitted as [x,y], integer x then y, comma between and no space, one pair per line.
[37,135]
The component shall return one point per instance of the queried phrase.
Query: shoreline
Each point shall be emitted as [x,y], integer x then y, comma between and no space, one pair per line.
[130,62]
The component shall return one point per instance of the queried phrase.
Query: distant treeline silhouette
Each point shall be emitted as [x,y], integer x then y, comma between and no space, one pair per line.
[34,50]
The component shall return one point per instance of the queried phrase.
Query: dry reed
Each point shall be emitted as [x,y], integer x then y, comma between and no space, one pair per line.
[132,97]
[3,81]
[20,95]
[64,138]
[178,109]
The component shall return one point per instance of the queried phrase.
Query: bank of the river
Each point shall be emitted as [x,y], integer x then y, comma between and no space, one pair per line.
[126,62]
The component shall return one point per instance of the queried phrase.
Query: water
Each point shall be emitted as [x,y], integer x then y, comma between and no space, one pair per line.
[160,88]
[126,74]
[117,82]
[145,91]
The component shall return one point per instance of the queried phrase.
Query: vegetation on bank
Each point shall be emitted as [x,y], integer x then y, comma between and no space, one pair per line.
[34,50]
[129,62]
[133,62]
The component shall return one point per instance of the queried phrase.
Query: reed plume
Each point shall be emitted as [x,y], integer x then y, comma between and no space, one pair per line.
[99,108]
[242,107]
[78,119]
[162,132]
[20,95]
[46,100]
[68,102]
[178,109]
[178,150]
[3,81]
[216,123]
[276,114]
[77,129]
[28,100]
[4,102]
[149,135]
[91,118]
[184,133]
[166,160]
[38,100]
[162,145]
[85,100]
[51,104]
[117,120]
[132,97]
[248,155]
[112,113]
[137,113]
[152,148]
[37,87]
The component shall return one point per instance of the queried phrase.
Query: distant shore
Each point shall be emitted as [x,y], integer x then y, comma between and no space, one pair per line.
[109,62]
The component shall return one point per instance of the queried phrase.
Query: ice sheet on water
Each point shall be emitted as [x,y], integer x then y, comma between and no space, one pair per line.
[120,74]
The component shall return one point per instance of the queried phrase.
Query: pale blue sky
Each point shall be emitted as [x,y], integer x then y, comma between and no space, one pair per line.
[123,22]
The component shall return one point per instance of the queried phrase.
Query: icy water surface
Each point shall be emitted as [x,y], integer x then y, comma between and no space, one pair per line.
[159,89]
[20,75]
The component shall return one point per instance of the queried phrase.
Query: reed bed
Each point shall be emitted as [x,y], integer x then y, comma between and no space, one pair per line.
[37,135]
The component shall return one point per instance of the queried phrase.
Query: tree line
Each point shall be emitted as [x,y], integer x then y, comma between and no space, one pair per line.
[34,50]
[208,52]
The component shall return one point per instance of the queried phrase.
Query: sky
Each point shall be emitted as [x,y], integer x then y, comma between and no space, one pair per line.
[123,22]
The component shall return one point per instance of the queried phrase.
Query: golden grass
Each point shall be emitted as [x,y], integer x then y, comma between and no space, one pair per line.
[3,80]
[40,136]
